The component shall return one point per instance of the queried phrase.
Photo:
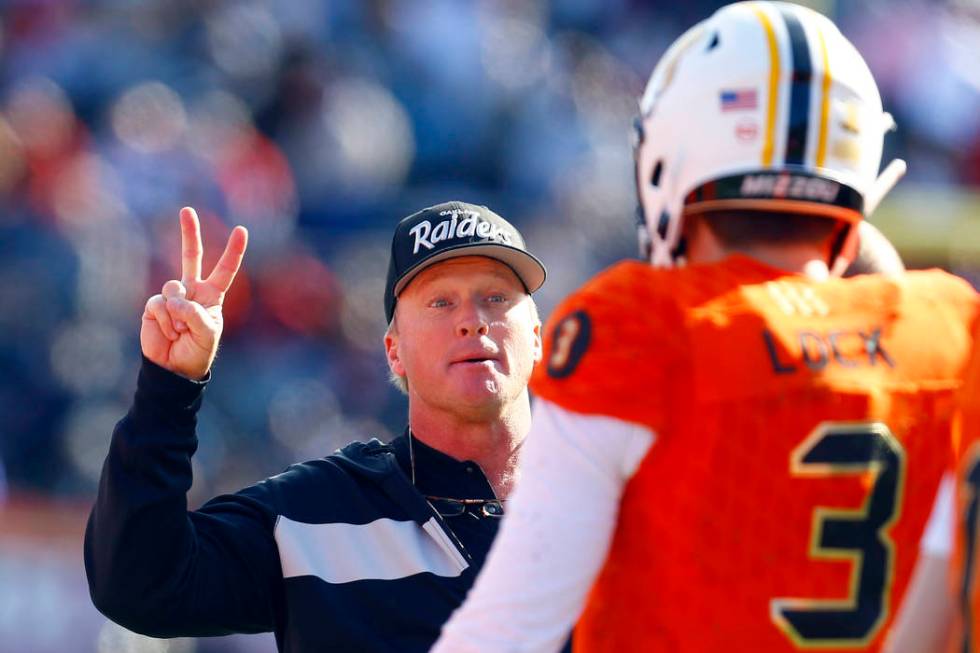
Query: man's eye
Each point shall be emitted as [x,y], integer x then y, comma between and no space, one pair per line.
[497,299]
[439,303]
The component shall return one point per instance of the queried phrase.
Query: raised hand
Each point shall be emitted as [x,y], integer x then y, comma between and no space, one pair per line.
[182,325]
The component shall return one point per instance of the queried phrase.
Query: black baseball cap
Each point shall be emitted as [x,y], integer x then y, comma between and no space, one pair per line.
[452,229]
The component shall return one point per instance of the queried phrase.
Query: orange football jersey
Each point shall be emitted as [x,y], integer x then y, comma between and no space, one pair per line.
[802,429]
[967,446]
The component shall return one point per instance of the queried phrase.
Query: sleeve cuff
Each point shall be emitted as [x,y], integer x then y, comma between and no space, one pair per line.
[161,392]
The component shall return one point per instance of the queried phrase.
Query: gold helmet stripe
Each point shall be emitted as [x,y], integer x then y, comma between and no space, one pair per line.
[821,157]
[774,70]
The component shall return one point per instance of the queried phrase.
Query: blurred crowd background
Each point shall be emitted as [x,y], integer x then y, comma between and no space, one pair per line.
[318,125]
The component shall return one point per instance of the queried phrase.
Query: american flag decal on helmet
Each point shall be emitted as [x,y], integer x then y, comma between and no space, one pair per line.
[739,98]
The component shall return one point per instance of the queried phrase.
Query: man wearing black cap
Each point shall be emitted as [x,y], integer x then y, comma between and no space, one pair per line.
[371,548]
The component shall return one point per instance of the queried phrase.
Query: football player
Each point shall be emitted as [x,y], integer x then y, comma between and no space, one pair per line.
[733,448]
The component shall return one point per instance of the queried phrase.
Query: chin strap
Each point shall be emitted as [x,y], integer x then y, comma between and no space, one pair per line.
[894,171]
[883,185]
[846,251]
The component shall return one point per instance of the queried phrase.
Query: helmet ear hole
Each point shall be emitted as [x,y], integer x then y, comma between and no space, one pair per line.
[637,133]
[663,224]
[657,171]
[713,43]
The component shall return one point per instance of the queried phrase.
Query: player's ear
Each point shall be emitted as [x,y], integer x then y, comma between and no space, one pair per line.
[699,242]
[538,346]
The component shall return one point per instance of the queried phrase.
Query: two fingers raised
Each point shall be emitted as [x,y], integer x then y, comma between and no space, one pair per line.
[191,246]
[224,272]
[182,324]
[192,251]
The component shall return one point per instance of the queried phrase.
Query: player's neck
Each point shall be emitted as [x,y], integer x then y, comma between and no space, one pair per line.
[809,259]
[798,259]
[493,444]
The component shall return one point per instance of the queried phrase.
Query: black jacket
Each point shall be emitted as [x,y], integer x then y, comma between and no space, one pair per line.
[337,554]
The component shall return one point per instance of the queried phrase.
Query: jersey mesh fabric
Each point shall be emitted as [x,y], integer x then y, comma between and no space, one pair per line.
[740,370]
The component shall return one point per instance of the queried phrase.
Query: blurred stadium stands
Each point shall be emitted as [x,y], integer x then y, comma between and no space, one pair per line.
[317,125]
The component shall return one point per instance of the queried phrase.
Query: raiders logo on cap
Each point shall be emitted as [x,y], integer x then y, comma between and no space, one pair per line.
[454,229]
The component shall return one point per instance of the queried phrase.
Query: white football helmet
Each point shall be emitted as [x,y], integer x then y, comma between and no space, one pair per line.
[763,106]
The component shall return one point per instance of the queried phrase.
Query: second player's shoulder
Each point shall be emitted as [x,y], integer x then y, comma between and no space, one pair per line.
[619,284]
[634,303]
[610,345]
[939,286]
[634,288]
[620,306]
[926,318]
[939,297]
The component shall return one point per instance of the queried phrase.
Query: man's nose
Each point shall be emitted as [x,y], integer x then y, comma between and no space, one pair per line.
[472,321]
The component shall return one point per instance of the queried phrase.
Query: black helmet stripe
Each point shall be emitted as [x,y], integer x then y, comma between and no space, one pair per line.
[798,124]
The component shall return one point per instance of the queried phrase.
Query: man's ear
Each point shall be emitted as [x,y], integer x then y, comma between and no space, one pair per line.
[391,353]
[538,346]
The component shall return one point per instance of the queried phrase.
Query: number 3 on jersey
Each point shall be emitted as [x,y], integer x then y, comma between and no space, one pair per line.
[860,536]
